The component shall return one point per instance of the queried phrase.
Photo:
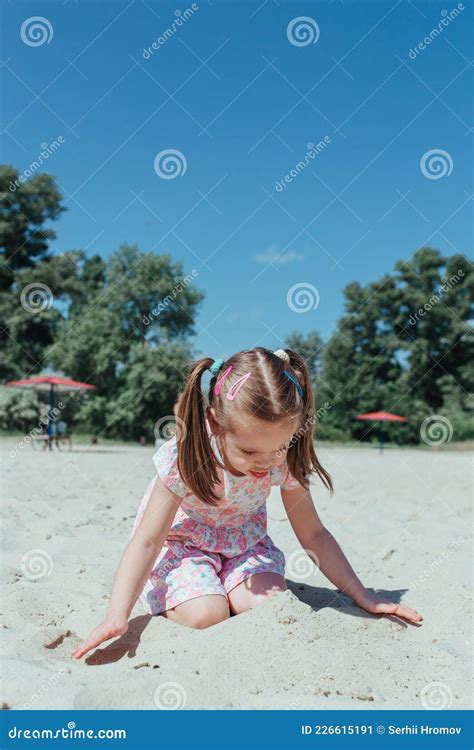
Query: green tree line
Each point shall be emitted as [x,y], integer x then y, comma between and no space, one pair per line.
[126,325]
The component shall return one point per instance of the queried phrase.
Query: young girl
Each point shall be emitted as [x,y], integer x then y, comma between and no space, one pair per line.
[199,549]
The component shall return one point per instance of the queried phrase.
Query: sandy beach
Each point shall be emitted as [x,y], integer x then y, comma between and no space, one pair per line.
[403,520]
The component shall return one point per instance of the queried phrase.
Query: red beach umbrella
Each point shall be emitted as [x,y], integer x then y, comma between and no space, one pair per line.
[48,382]
[381,417]
[53,384]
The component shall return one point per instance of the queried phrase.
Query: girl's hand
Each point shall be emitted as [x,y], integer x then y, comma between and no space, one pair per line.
[111,627]
[379,606]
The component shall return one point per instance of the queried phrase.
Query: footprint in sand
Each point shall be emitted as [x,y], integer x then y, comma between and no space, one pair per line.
[59,640]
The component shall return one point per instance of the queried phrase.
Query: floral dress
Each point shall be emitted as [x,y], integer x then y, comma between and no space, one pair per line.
[211,549]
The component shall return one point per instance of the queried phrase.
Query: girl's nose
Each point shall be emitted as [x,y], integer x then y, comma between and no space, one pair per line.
[274,460]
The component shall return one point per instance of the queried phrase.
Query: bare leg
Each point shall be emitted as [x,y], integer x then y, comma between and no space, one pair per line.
[254,590]
[200,612]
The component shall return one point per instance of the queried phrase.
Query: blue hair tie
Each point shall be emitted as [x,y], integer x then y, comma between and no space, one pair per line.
[216,366]
[293,379]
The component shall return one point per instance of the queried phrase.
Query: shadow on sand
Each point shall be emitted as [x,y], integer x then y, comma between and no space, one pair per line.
[316,597]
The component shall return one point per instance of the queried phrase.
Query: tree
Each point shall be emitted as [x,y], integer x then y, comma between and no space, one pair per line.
[120,324]
[149,384]
[432,322]
[31,313]
[310,347]
[32,280]
[24,209]
[143,303]
[150,294]
[402,345]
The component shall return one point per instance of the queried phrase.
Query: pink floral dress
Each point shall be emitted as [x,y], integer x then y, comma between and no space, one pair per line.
[209,549]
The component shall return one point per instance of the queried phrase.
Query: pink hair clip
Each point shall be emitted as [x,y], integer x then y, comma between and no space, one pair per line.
[235,388]
[218,385]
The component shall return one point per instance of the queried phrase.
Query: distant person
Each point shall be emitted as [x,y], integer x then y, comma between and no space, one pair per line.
[62,433]
[205,510]
[61,427]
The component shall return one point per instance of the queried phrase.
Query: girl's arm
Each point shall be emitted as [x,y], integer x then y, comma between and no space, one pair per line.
[329,557]
[135,566]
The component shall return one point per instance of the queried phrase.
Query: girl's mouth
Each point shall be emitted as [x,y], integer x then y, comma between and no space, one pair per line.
[259,474]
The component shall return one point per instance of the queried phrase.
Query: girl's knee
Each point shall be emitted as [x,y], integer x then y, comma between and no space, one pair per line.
[203,612]
[255,590]
[206,614]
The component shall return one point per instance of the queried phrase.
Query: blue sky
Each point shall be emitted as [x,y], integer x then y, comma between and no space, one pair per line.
[240,97]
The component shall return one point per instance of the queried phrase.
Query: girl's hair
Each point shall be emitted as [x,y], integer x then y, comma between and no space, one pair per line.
[268,395]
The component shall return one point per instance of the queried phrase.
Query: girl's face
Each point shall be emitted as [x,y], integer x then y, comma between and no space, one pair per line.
[254,446]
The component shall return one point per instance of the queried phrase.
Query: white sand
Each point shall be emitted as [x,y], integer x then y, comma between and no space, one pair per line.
[403,520]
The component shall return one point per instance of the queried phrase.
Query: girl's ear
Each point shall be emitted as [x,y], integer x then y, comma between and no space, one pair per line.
[211,416]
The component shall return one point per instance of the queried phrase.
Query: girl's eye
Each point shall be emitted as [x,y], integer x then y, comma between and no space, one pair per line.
[247,453]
